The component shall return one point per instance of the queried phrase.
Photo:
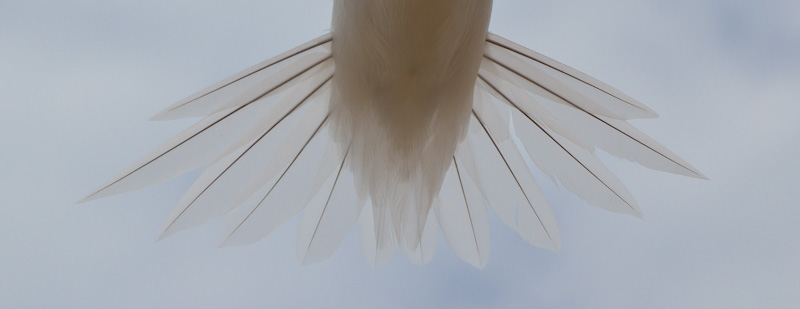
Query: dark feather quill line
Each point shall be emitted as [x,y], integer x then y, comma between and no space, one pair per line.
[204,129]
[304,100]
[466,205]
[279,178]
[513,175]
[590,114]
[510,102]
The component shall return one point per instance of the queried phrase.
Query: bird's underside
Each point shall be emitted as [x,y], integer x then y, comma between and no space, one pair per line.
[408,118]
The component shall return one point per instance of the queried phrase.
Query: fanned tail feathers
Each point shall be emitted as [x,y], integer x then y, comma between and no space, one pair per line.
[268,153]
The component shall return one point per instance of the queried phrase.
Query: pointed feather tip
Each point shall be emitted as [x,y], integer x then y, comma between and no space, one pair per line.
[96,193]
[651,114]
[689,171]
[83,200]
[638,213]
[163,115]
[90,197]
[476,262]
[167,113]
[632,210]
[165,232]
[228,241]
[555,246]
[646,112]
[699,175]
[160,237]
[305,261]
[225,243]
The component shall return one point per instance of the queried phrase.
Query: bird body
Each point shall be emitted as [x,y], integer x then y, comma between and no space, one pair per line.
[409,117]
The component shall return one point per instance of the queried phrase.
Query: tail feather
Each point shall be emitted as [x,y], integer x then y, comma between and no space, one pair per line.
[525,101]
[378,243]
[323,64]
[325,223]
[314,91]
[288,150]
[574,167]
[589,130]
[556,81]
[423,253]
[216,190]
[621,140]
[273,71]
[200,145]
[508,186]
[463,217]
[283,198]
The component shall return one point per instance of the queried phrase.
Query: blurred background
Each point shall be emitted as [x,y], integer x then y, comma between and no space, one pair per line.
[80,78]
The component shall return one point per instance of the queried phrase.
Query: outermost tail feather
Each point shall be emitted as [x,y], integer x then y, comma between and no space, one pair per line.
[268,154]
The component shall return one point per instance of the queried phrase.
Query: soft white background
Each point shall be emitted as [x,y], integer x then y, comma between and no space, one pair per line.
[79,78]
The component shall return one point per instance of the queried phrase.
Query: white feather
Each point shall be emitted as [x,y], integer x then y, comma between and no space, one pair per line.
[216,190]
[284,197]
[376,236]
[198,146]
[463,217]
[423,253]
[564,88]
[574,167]
[263,76]
[505,181]
[325,223]
[584,128]
[563,69]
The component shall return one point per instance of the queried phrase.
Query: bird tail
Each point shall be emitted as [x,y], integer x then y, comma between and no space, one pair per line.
[265,144]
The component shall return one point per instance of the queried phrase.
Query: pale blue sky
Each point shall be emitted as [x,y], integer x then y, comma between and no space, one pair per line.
[79,78]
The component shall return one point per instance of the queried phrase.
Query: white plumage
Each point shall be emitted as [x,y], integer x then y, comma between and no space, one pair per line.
[403,119]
